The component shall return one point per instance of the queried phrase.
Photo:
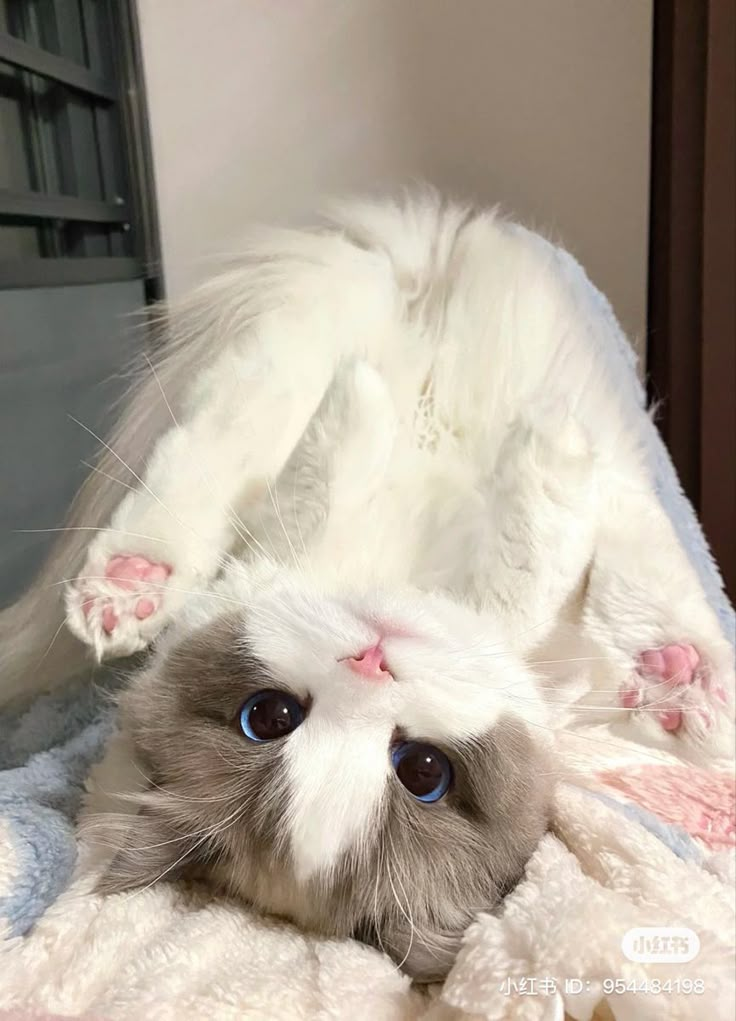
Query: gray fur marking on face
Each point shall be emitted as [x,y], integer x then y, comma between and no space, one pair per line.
[218,806]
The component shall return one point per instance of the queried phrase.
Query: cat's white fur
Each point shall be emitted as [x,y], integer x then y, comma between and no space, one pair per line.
[453,681]
[488,359]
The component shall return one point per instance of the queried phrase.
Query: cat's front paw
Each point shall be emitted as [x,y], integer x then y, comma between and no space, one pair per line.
[675,688]
[119,603]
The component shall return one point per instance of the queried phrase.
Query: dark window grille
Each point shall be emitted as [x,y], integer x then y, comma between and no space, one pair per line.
[75,179]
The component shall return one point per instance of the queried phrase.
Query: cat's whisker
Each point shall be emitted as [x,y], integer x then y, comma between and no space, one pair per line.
[51,644]
[168,792]
[379,869]
[407,916]
[135,475]
[247,537]
[504,644]
[211,832]
[514,638]
[92,528]
[668,697]
[106,821]
[205,833]
[198,538]
[269,539]
[652,707]
[222,560]
[254,545]
[112,478]
[280,519]
[296,517]
[228,762]
[560,688]
[570,659]
[152,587]
[603,707]
[588,739]
[428,941]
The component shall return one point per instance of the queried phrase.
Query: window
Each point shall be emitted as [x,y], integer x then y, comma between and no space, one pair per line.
[75,181]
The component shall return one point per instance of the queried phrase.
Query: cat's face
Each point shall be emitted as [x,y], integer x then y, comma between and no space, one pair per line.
[360,765]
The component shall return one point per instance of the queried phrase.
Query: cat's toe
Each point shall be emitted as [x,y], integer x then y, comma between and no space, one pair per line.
[116,605]
[682,694]
[678,665]
[664,679]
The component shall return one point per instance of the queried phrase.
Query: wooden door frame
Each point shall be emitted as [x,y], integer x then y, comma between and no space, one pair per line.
[691,355]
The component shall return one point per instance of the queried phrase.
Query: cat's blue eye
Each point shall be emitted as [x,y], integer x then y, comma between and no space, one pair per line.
[270,715]
[424,770]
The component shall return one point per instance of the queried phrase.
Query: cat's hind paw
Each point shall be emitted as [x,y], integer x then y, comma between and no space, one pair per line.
[680,693]
[117,605]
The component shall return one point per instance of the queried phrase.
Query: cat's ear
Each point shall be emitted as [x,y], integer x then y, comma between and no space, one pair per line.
[149,850]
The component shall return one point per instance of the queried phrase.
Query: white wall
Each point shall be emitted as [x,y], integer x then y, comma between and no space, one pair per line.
[261,107]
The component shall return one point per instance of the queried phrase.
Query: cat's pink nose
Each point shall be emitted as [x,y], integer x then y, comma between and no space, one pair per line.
[370,664]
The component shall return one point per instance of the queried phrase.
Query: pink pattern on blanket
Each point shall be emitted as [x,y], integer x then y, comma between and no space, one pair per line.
[702,802]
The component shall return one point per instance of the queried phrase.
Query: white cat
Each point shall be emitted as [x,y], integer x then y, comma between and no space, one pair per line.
[479,349]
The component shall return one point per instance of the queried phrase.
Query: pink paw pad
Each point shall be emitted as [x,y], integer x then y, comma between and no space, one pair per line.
[126,571]
[673,686]
[109,620]
[630,698]
[673,665]
[130,573]
[144,608]
[671,719]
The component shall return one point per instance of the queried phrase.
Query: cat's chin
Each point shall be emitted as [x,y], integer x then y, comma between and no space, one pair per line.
[274,891]
[340,908]
[423,951]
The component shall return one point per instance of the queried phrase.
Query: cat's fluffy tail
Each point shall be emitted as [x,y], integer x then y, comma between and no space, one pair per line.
[37,651]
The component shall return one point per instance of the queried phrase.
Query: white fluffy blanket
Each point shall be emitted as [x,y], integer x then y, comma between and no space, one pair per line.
[555,949]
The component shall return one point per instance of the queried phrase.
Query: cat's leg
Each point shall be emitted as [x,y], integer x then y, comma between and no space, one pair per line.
[168,536]
[670,670]
[334,471]
[543,499]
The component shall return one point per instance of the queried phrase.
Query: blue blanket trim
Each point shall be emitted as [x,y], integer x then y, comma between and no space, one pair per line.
[675,837]
[46,752]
